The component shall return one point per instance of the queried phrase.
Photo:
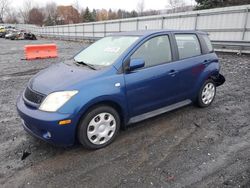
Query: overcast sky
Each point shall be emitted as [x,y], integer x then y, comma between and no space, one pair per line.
[113,4]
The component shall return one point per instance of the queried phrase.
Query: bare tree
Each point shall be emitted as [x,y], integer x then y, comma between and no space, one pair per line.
[4,6]
[141,7]
[36,16]
[68,14]
[77,6]
[11,16]
[24,11]
[50,9]
[50,12]
[102,15]
[176,4]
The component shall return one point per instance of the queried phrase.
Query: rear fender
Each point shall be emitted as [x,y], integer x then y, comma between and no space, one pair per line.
[203,77]
[218,79]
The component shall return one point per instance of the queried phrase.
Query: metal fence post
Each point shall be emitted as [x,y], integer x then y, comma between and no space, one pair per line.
[54,34]
[105,29]
[82,31]
[162,22]
[137,24]
[196,21]
[47,32]
[75,33]
[69,32]
[245,24]
[62,32]
[120,26]
[244,29]
[58,33]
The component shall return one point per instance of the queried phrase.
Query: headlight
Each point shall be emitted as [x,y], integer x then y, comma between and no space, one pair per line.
[56,100]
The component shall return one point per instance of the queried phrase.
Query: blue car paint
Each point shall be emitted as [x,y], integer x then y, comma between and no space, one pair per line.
[98,86]
[38,123]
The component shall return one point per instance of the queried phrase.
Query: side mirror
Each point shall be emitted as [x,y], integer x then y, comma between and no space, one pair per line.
[136,64]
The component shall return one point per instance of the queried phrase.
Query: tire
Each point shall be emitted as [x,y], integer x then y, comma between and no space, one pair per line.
[206,94]
[95,131]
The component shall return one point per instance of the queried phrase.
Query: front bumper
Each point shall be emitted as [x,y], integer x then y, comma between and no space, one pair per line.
[44,125]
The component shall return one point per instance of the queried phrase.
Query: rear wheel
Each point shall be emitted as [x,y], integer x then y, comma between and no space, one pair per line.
[99,127]
[206,94]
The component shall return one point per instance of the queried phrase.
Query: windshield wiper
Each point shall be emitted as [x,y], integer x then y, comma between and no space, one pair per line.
[86,64]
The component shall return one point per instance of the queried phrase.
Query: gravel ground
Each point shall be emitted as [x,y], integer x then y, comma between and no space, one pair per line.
[189,147]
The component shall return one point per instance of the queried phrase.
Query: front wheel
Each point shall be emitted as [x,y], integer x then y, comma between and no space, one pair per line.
[99,127]
[206,94]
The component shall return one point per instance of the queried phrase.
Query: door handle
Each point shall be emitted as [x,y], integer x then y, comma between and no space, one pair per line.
[172,72]
[206,62]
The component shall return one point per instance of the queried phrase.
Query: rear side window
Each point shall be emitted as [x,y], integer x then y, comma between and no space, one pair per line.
[155,51]
[188,45]
[208,43]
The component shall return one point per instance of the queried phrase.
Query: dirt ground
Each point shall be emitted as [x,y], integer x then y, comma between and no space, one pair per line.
[189,147]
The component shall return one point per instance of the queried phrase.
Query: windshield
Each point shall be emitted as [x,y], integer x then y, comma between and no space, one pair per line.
[105,51]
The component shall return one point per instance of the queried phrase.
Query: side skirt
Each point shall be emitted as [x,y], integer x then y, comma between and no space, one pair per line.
[159,111]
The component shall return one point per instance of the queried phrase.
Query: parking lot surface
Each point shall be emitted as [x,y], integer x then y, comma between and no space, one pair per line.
[189,147]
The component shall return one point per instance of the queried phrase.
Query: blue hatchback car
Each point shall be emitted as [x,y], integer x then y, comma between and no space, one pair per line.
[120,79]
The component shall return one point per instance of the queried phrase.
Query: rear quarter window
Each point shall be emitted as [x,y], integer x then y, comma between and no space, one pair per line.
[188,45]
[208,43]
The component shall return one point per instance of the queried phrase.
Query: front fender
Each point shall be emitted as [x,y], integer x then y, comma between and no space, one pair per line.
[117,100]
[97,91]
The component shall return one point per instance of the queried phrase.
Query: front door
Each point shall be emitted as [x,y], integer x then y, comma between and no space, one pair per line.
[155,85]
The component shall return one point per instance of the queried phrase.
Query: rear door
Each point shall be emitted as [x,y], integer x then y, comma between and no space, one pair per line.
[191,62]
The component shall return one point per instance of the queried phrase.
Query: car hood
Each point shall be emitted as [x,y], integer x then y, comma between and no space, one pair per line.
[61,76]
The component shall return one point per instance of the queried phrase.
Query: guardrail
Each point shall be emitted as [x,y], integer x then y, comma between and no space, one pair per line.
[232,46]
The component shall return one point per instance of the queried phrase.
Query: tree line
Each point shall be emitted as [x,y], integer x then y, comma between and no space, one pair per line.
[208,4]
[53,14]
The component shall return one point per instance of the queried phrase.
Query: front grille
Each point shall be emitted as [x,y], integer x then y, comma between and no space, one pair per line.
[33,96]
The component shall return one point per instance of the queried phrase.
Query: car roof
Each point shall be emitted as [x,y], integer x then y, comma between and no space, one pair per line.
[150,32]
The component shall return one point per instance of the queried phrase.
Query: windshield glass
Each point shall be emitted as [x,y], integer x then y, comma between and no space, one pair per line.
[105,51]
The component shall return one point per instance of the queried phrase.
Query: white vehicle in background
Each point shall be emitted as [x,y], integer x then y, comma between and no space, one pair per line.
[10,33]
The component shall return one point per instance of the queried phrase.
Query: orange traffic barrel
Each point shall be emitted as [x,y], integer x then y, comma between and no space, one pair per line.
[40,51]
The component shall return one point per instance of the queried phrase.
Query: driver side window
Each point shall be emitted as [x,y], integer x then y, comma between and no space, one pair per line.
[155,51]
